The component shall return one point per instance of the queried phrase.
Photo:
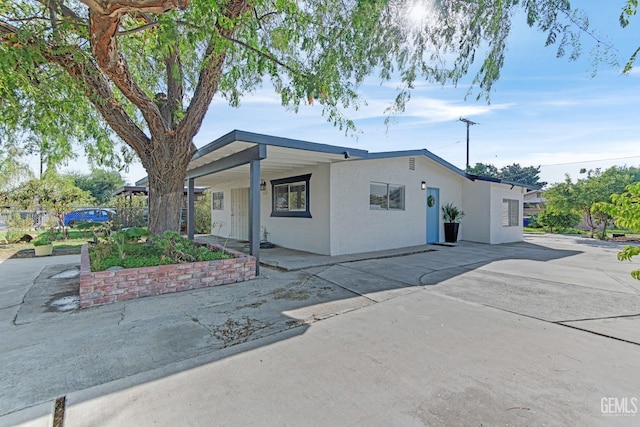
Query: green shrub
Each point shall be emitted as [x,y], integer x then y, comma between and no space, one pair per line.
[16,222]
[203,216]
[13,236]
[43,240]
[130,212]
[557,221]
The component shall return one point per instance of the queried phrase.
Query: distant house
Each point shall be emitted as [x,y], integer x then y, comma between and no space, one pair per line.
[333,200]
[533,202]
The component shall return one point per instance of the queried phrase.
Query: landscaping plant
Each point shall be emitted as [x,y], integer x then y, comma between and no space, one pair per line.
[451,213]
[125,249]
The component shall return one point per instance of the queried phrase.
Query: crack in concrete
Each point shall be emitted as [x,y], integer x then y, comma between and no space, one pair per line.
[344,287]
[21,303]
[197,321]
[539,280]
[626,285]
[620,316]
[379,275]
[122,313]
[559,323]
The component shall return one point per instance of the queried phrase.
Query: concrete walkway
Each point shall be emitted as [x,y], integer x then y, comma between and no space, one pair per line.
[533,333]
[292,260]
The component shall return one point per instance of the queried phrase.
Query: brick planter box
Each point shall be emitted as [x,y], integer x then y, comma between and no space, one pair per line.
[106,287]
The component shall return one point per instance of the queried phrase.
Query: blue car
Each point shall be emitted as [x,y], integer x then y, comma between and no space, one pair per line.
[88,215]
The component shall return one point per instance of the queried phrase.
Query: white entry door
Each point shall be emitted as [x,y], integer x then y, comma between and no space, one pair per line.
[240,213]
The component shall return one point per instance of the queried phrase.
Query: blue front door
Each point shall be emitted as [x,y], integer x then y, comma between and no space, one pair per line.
[433,215]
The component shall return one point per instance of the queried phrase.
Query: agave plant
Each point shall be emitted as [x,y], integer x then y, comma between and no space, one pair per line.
[451,213]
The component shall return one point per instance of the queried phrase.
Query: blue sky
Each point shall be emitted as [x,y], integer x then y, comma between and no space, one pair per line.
[544,110]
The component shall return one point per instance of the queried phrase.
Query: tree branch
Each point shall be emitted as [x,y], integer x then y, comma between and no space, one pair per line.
[98,89]
[138,29]
[581,27]
[65,11]
[104,20]
[265,55]
[101,96]
[175,79]
[209,79]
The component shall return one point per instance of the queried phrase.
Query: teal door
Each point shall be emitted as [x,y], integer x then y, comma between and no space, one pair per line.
[433,215]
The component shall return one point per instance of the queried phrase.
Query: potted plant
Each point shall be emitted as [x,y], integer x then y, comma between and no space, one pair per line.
[451,215]
[43,244]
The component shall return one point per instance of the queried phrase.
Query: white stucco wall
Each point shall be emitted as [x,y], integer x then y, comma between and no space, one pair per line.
[477,208]
[221,219]
[500,233]
[483,208]
[304,234]
[356,228]
[343,223]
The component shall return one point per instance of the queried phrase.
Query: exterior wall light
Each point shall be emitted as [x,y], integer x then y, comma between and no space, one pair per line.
[263,185]
[423,185]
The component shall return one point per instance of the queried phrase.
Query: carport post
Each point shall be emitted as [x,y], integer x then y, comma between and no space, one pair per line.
[191,208]
[254,211]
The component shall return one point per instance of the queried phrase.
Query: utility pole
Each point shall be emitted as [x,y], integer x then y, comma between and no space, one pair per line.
[469,123]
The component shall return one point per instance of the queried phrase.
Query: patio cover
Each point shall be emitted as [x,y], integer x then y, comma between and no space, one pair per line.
[239,154]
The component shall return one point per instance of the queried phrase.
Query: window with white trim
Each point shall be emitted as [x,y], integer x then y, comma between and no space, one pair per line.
[510,213]
[290,197]
[384,196]
[218,201]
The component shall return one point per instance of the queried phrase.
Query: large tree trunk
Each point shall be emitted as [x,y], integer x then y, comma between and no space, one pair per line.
[166,167]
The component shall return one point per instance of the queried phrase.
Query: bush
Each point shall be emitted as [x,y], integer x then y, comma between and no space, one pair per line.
[170,248]
[203,214]
[130,212]
[42,240]
[557,221]
[13,236]
[17,222]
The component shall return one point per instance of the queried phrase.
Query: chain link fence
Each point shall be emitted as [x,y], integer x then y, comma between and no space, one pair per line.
[35,220]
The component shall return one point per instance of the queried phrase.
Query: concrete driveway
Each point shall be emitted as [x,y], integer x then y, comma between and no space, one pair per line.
[543,332]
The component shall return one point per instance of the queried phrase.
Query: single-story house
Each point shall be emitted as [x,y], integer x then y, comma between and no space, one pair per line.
[334,200]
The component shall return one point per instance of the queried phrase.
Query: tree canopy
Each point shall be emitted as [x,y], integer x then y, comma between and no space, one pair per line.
[100,183]
[484,169]
[53,192]
[625,210]
[529,175]
[142,72]
[584,196]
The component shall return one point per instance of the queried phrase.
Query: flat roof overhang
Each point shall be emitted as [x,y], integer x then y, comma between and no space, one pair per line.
[227,158]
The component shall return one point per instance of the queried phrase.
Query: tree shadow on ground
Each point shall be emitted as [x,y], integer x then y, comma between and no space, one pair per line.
[155,337]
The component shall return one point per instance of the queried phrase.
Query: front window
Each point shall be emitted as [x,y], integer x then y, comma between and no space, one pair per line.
[510,213]
[218,201]
[291,197]
[386,196]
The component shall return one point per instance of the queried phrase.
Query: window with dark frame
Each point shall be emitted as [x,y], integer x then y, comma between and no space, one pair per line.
[384,196]
[290,197]
[510,213]
[218,201]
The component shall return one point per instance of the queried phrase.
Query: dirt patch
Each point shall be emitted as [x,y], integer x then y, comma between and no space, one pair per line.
[237,331]
[290,294]
[25,250]
[252,305]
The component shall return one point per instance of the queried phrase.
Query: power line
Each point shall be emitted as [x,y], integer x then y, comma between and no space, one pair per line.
[592,161]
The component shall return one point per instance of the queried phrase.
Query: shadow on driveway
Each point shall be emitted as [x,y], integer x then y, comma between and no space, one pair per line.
[49,354]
